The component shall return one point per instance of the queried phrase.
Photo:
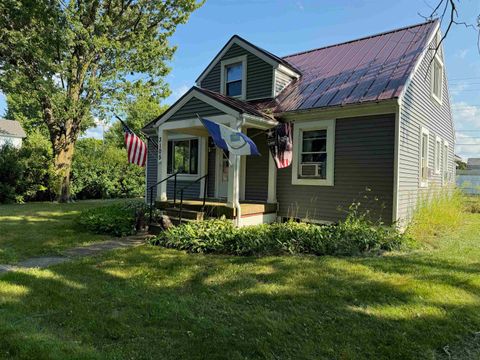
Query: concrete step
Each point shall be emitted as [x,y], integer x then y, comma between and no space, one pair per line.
[186,214]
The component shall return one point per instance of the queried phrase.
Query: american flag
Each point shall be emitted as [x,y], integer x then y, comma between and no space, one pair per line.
[280,142]
[136,148]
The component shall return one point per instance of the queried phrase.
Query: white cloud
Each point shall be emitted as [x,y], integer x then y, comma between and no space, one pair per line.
[462,54]
[467,122]
[300,6]
[98,130]
[456,89]
[178,92]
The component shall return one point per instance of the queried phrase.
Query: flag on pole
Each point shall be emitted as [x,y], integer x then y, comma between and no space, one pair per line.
[226,138]
[280,142]
[136,147]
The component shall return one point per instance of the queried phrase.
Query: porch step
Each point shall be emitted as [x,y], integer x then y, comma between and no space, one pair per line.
[186,214]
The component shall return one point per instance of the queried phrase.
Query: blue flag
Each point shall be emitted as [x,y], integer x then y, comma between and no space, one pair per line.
[228,139]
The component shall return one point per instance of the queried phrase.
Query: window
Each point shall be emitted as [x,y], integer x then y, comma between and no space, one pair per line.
[233,77]
[183,156]
[437,73]
[424,158]
[438,155]
[313,153]
[445,162]
[233,84]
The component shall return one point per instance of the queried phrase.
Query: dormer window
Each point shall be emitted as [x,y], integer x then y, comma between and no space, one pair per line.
[233,77]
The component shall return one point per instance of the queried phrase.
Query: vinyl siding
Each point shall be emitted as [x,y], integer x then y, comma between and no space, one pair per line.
[259,74]
[193,192]
[281,81]
[152,167]
[364,158]
[256,177]
[191,108]
[420,109]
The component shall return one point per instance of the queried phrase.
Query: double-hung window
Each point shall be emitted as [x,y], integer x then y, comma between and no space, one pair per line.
[313,152]
[183,156]
[438,155]
[424,139]
[437,73]
[233,77]
[445,162]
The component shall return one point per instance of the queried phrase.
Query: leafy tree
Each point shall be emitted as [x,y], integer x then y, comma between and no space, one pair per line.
[84,57]
[11,174]
[136,114]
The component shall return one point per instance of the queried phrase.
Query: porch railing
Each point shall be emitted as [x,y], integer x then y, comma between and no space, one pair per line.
[151,187]
[182,192]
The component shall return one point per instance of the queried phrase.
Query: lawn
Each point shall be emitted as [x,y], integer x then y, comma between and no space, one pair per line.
[45,228]
[153,303]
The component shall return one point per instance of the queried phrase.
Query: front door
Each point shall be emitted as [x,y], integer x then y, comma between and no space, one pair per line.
[222,171]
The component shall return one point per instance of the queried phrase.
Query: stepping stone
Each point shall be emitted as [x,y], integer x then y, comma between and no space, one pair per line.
[41,262]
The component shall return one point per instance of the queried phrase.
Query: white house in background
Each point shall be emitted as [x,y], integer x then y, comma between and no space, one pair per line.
[11,132]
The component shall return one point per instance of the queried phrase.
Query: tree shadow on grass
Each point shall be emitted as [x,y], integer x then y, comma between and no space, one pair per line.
[153,303]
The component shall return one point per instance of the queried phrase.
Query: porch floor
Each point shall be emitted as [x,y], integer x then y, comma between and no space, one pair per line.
[219,207]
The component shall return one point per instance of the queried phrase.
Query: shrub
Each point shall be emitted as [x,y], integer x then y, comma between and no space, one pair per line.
[119,219]
[437,213]
[11,174]
[220,236]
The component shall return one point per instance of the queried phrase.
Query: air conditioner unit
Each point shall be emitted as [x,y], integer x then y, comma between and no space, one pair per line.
[310,170]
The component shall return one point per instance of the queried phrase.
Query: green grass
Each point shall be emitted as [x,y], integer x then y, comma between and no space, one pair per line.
[43,228]
[154,303]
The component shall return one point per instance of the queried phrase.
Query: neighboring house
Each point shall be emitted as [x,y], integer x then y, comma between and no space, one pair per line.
[473,164]
[369,113]
[11,132]
[468,180]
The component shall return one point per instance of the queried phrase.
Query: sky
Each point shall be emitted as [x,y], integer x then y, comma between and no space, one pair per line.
[288,26]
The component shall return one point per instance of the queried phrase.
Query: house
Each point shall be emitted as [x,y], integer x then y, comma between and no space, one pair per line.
[370,116]
[473,164]
[11,132]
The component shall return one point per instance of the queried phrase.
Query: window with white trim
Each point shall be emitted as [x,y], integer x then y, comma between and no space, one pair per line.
[313,153]
[183,156]
[438,154]
[437,73]
[424,138]
[233,77]
[445,162]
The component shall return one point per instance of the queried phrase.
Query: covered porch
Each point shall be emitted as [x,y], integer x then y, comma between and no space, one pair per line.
[239,187]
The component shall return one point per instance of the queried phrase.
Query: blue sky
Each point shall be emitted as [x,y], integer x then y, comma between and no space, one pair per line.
[285,27]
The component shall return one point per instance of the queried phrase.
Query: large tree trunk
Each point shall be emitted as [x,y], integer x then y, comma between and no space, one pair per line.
[63,165]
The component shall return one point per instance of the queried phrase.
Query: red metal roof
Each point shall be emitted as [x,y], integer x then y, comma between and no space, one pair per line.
[373,68]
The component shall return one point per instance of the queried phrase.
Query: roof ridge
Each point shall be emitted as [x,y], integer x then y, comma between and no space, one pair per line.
[360,39]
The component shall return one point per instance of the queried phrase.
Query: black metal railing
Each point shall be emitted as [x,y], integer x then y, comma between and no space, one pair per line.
[182,191]
[151,187]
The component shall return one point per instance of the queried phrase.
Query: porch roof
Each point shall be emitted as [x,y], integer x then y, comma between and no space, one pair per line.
[223,103]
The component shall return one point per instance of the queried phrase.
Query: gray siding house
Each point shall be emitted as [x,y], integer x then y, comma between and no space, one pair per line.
[11,133]
[371,120]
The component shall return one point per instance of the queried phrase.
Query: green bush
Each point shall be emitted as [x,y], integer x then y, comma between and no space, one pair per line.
[102,171]
[11,174]
[220,236]
[119,219]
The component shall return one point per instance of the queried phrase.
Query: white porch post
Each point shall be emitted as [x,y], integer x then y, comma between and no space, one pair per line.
[272,179]
[163,144]
[233,195]
[203,155]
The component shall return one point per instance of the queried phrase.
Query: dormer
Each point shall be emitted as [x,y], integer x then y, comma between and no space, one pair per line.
[246,72]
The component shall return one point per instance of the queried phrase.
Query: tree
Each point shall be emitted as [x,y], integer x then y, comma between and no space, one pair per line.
[136,114]
[82,58]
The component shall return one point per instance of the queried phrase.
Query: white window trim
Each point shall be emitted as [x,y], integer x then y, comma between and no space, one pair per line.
[439,62]
[445,161]
[181,137]
[438,155]
[423,131]
[239,59]
[298,128]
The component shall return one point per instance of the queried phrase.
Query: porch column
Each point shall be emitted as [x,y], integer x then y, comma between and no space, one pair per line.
[163,145]
[203,159]
[233,194]
[272,179]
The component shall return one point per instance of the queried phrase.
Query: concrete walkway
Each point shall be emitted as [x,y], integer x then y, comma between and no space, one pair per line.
[76,252]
